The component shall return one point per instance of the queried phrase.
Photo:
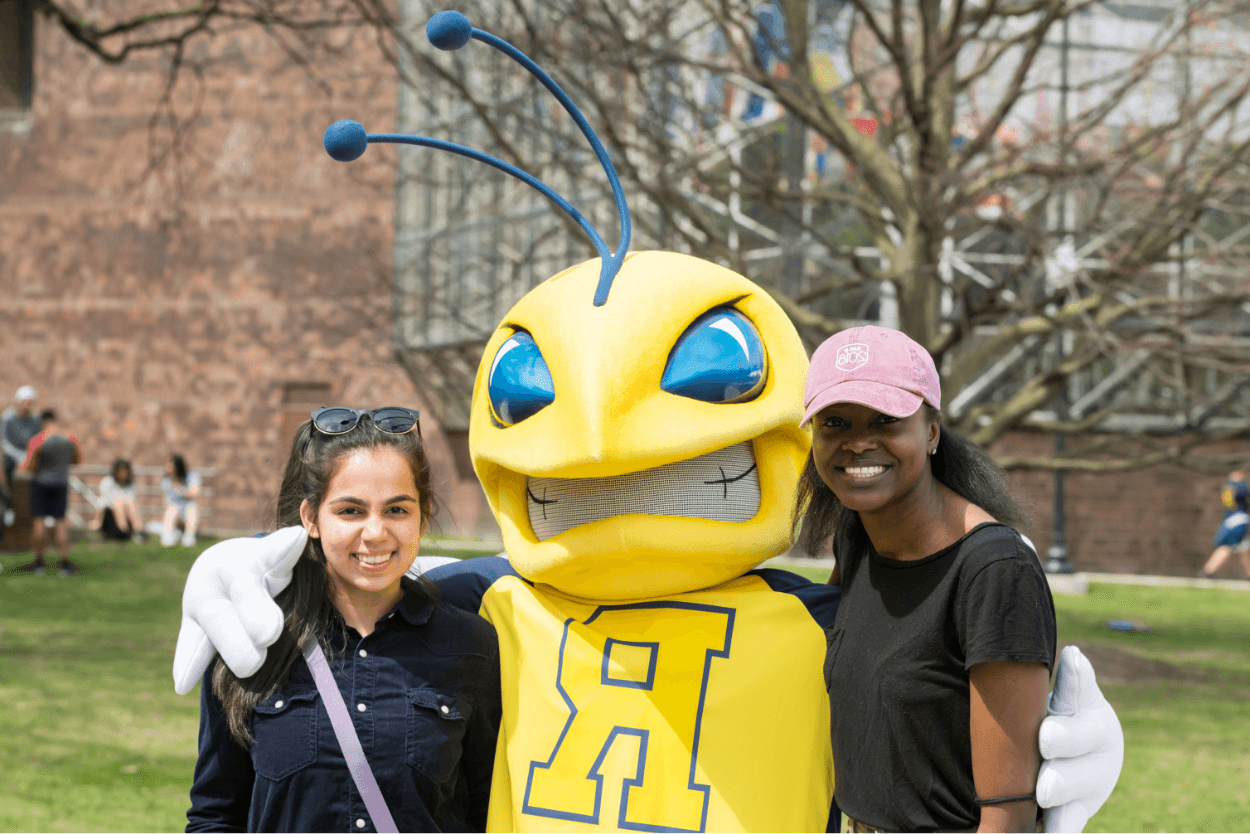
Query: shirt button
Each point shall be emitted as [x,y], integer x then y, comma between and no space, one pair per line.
[278,704]
[364,653]
[360,707]
[360,823]
[444,709]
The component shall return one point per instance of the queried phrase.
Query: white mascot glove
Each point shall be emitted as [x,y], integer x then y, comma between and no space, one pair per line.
[425,564]
[1082,746]
[228,607]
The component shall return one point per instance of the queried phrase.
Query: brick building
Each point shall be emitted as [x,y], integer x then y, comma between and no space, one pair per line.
[1158,521]
[200,291]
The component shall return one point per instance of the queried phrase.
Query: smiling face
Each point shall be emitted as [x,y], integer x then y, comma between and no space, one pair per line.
[649,446]
[872,461]
[369,523]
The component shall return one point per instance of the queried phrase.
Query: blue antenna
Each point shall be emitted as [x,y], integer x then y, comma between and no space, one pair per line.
[346,140]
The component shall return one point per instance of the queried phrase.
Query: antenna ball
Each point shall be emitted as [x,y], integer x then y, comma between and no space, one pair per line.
[345,140]
[449,30]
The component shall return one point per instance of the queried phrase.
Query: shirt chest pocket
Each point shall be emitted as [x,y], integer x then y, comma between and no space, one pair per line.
[285,729]
[436,725]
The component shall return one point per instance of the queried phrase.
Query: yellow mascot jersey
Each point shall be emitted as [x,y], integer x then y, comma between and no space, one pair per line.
[702,711]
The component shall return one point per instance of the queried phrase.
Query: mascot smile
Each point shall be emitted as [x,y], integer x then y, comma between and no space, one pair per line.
[635,427]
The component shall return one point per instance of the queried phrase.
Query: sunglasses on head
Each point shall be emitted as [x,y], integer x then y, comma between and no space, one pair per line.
[392,419]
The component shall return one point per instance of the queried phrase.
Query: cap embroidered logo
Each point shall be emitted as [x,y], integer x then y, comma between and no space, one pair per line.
[851,357]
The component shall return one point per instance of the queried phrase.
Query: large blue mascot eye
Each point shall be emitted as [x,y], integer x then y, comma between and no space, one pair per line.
[719,359]
[519,383]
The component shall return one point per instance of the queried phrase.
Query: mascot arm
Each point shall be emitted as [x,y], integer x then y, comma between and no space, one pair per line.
[820,600]
[228,607]
[1082,747]
[464,583]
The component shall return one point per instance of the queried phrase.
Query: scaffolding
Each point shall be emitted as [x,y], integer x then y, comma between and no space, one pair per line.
[470,241]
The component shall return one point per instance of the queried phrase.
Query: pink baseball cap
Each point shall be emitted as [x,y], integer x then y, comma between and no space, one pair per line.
[873,366]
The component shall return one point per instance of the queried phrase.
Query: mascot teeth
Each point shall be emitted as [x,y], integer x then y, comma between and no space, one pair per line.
[720,486]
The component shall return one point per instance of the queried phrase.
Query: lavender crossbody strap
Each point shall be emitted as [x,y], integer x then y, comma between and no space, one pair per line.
[345,732]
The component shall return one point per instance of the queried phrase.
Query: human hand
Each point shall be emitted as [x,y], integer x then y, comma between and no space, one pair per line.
[228,607]
[1082,746]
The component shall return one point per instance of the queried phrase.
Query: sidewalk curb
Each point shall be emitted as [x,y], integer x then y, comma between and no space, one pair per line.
[1169,581]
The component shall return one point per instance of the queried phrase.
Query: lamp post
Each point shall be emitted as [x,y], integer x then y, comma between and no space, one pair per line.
[1057,553]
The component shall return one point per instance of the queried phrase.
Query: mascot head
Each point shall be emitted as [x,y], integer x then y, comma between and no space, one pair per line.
[635,419]
[647,446]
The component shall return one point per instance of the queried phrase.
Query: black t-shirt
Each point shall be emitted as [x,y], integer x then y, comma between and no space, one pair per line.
[906,634]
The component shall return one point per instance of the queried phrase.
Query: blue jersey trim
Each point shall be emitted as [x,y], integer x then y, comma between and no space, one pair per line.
[466,582]
[605,677]
[821,601]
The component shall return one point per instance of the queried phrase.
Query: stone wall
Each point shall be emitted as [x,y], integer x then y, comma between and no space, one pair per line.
[198,291]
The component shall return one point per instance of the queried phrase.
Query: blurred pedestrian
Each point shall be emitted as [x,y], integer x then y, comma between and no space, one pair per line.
[49,456]
[118,519]
[6,501]
[18,424]
[1233,535]
[181,487]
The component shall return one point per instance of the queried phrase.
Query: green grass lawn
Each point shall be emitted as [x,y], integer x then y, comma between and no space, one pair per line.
[1182,691]
[92,735]
[93,738]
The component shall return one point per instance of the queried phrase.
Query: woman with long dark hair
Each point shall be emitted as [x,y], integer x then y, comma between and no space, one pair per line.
[420,679]
[938,662]
[181,487]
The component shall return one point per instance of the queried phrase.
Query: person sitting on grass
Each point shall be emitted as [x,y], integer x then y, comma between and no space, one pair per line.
[118,518]
[424,685]
[181,487]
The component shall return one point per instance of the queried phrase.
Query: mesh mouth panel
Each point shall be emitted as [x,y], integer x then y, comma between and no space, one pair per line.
[722,486]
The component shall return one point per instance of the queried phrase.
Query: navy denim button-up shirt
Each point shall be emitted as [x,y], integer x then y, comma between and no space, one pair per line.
[423,693]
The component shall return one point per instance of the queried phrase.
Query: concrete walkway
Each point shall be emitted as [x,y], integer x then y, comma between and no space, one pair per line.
[1072,583]
[432,543]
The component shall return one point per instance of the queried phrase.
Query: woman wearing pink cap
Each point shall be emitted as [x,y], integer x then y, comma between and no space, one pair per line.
[939,660]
